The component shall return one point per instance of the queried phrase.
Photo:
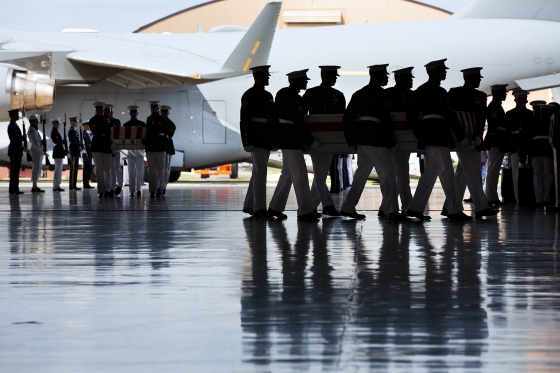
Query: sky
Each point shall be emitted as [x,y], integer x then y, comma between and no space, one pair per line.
[112,15]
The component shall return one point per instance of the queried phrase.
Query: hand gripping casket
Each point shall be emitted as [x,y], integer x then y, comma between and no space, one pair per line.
[127,137]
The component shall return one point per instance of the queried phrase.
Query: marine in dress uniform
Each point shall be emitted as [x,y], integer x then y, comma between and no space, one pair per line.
[435,135]
[293,136]
[155,148]
[15,151]
[101,149]
[497,141]
[258,126]
[400,98]
[74,156]
[170,151]
[135,157]
[324,99]
[58,154]
[115,175]
[467,101]
[518,118]
[367,126]
[37,152]
[541,155]
[87,156]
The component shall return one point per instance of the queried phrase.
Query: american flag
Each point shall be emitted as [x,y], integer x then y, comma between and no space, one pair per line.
[468,121]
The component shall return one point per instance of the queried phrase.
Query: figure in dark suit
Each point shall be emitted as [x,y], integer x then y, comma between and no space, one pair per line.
[74,156]
[87,156]
[58,154]
[15,151]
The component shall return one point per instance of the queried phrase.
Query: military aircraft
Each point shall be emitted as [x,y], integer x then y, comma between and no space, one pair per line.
[203,75]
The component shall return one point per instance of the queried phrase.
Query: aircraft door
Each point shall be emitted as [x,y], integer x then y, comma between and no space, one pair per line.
[213,122]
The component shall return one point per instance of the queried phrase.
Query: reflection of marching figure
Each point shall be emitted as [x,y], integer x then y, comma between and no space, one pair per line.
[37,152]
[542,156]
[324,99]
[135,157]
[155,148]
[170,151]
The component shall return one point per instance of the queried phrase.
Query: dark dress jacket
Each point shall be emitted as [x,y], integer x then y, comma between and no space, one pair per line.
[402,100]
[432,99]
[87,143]
[16,140]
[171,127]
[100,128]
[519,121]
[156,127]
[324,100]
[470,100]
[540,144]
[257,103]
[292,132]
[74,140]
[370,101]
[58,149]
[497,134]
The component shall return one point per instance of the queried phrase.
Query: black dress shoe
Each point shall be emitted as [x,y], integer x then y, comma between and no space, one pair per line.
[380,214]
[18,192]
[37,190]
[100,195]
[486,212]
[163,192]
[139,193]
[330,211]
[417,215]
[152,195]
[132,194]
[158,193]
[76,188]
[459,216]
[395,217]
[495,203]
[112,193]
[277,214]
[87,186]
[308,217]
[247,210]
[317,214]
[58,190]
[261,214]
[468,200]
[106,194]
[118,190]
[443,212]
[353,215]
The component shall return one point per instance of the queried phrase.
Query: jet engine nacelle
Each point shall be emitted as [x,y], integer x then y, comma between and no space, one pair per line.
[20,89]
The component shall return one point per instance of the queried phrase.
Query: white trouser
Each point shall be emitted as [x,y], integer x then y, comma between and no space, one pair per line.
[103,163]
[115,174]
[294,171]
[438,159]
[57,177]
[350,170]
[492,175]
[156,161]
[37,164]
[543,177]
[167,172]
[339,165]
[514,159]
[368,158]
[402,173]
[135,170]
[319,189]
[256,193]
[468,173]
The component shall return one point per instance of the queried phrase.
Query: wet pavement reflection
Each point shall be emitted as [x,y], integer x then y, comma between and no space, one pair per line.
[189,283]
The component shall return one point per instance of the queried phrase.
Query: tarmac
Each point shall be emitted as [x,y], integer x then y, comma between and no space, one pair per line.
[188,283]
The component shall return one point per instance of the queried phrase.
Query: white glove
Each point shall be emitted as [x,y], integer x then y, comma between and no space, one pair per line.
[464,142]
[316,144]
[477,141]
[495,149]
[249,148]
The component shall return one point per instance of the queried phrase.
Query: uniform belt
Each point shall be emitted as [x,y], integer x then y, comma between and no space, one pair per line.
[502,129]
[434,116]
[515,132]
[161,134]
[540,138]
[371,119]
[260,120]
[286,121]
